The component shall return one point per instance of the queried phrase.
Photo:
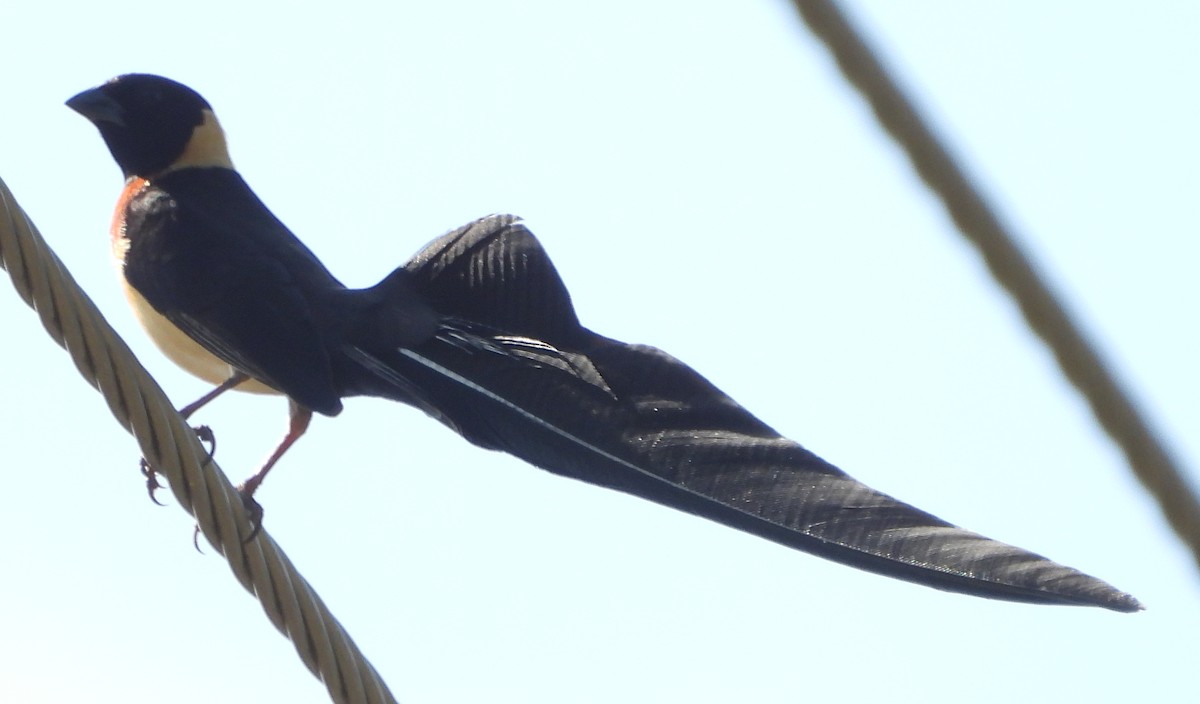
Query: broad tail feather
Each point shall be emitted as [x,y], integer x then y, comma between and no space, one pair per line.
[635,419]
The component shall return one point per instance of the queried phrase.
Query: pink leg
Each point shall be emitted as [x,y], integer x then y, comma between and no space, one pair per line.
[231,382]
[297,424]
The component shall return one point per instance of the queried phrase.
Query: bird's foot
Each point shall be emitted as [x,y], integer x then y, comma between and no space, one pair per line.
[151,476]
[254,514]
[205,435]
[254,510]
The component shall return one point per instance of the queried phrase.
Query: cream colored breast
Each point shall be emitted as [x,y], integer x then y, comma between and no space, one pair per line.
[183,350]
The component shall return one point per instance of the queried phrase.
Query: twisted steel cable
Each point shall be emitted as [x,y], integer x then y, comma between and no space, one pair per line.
[1148,456]
[171,447]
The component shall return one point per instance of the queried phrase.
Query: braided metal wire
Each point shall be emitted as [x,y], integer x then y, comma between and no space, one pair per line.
[1012,268]
[171,447]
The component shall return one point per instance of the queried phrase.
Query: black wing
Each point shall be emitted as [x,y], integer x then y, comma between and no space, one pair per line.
[210,257]
[655,428]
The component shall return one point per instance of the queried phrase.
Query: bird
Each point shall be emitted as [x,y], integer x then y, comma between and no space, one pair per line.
[478,331]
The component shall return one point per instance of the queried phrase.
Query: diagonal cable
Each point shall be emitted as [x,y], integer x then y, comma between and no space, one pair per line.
[171,447]
[1012,268]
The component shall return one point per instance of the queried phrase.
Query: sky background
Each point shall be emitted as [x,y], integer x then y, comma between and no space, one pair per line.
[707,183]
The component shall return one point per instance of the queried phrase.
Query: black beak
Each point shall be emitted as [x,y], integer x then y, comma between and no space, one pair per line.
[98,107]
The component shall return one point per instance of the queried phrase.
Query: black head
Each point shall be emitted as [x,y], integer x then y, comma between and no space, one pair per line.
[146,121]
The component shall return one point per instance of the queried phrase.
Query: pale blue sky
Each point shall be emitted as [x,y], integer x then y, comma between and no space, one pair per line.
[820,285]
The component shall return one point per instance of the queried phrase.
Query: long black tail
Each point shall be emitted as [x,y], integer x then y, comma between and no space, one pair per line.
[512,370]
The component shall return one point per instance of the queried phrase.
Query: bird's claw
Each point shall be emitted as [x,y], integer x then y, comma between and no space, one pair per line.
[254,512]
[204,434]
[151,476]
[254,515]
